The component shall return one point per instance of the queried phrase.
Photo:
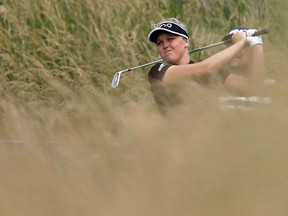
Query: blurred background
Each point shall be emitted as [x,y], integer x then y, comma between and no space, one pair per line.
[72,145]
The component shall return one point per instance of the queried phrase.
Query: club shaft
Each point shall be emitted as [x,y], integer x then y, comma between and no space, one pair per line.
[140,66]
[161,60]
[207,47]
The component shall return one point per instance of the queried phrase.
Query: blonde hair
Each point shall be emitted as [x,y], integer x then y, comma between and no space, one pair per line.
[173,20]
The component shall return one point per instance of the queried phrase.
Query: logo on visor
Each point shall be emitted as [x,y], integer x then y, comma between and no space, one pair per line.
[165,25]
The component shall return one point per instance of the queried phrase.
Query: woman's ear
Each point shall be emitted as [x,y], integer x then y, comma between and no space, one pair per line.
[186,43]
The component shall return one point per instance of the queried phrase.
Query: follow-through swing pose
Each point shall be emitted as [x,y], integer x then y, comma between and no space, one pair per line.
[244,57]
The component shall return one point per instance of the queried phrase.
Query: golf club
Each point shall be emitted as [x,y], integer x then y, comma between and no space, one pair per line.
[116,79]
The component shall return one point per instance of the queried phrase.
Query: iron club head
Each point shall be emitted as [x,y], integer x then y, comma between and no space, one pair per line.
[116,79]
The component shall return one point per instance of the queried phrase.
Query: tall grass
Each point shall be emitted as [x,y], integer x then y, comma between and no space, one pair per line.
[72,145]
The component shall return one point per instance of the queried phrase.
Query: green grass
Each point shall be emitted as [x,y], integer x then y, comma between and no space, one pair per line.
[72,145]
[81,44]
[84,43]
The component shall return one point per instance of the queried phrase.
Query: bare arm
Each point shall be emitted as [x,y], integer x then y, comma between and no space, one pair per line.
[257,67]
[252,77]
[209,66]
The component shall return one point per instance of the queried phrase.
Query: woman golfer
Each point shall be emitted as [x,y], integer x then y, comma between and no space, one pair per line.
[244,56]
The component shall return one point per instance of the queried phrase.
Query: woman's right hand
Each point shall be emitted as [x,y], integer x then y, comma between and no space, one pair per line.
[239,36]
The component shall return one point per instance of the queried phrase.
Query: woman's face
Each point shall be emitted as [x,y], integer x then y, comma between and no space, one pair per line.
[172,48]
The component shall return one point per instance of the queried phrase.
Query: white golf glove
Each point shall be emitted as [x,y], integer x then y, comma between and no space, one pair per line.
[253,40]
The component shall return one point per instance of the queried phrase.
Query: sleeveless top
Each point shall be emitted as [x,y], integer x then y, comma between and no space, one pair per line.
[167,96]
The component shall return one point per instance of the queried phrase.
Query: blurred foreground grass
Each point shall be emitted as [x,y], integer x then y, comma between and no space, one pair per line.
[199,162]
[71,145]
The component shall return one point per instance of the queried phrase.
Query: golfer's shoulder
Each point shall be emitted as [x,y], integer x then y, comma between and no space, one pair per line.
[158,71]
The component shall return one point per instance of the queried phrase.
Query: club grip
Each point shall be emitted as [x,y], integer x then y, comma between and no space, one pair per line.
[261,32]
[227,38]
